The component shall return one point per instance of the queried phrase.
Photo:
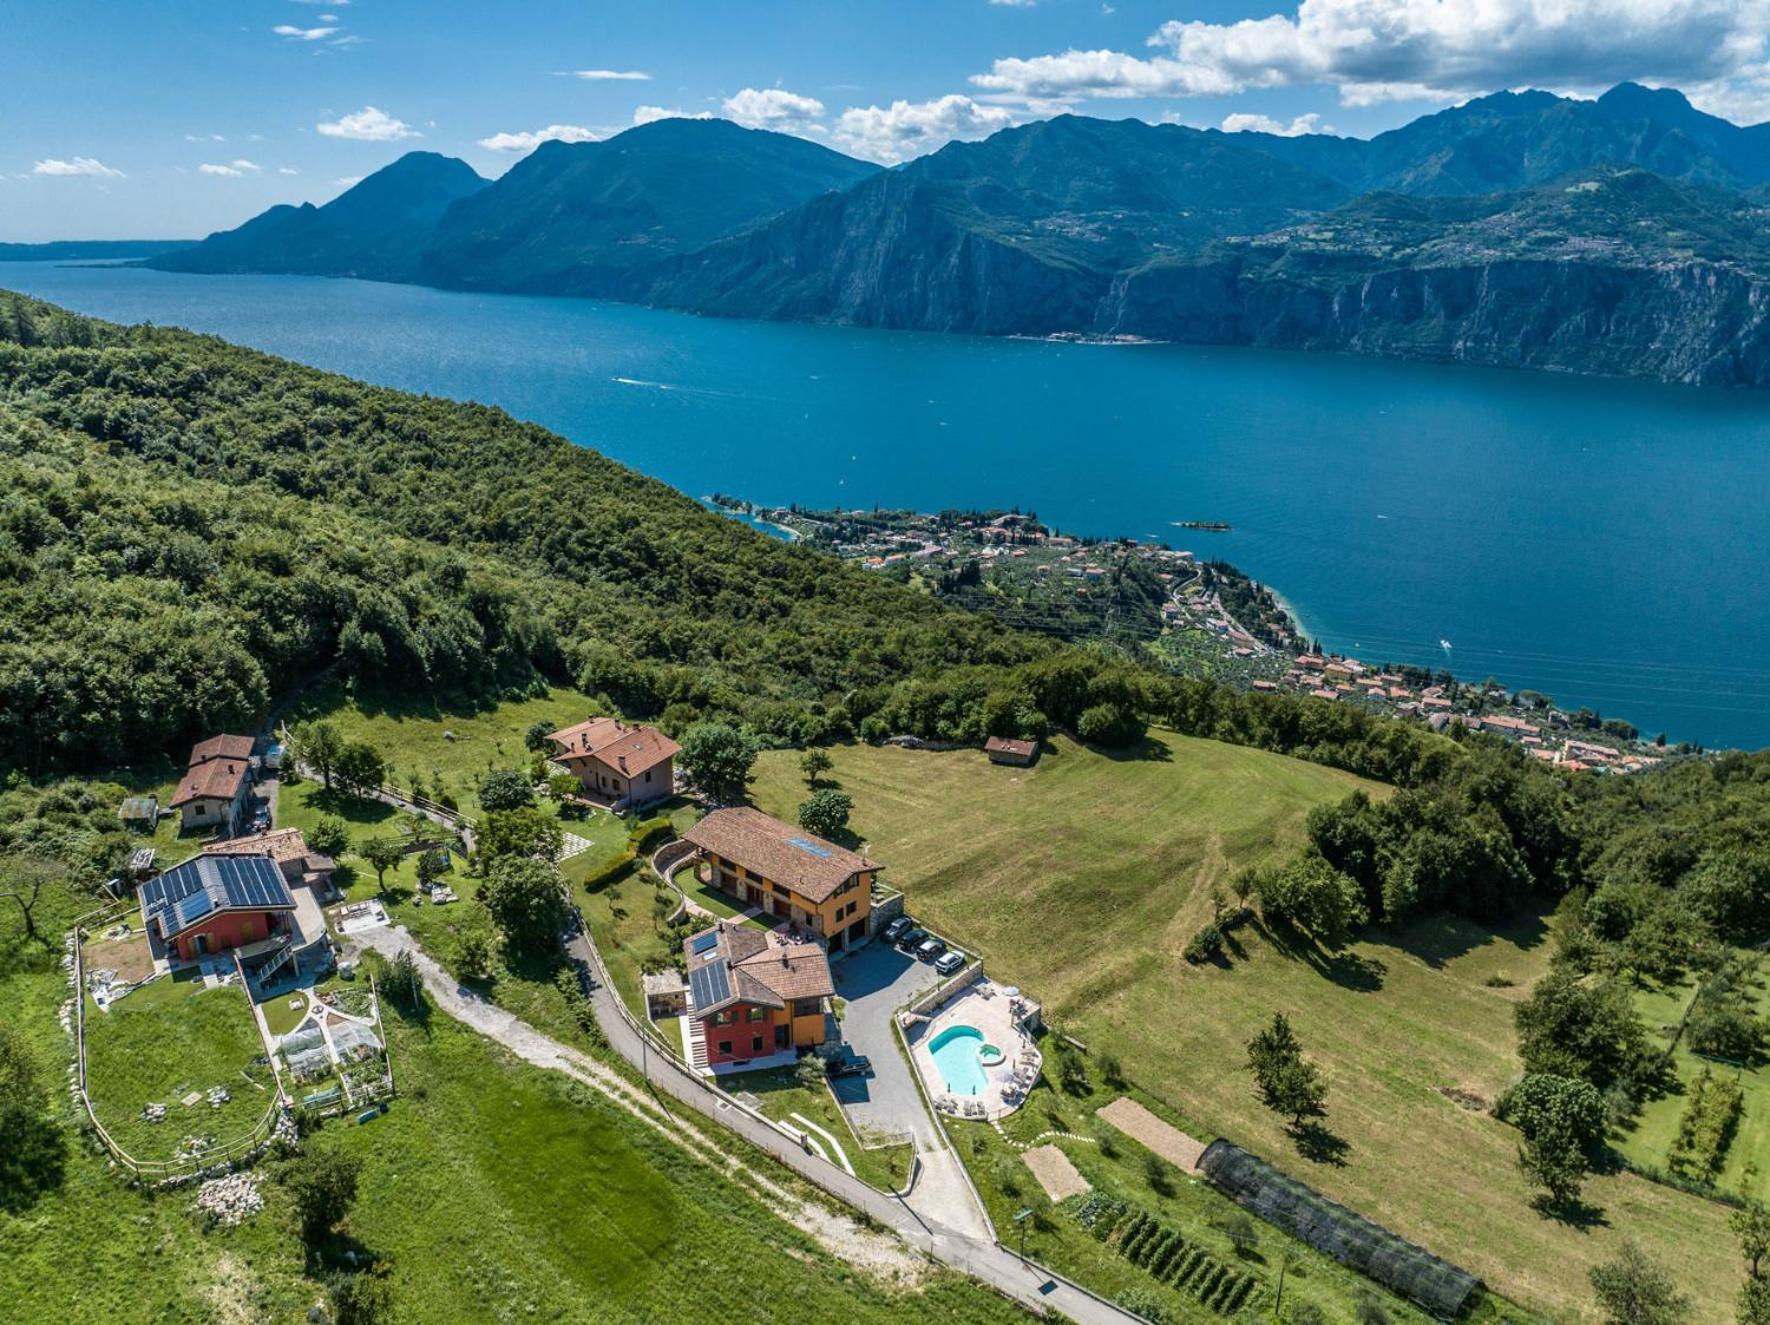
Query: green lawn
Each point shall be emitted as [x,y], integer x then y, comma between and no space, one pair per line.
[1081,881]
[164,1041]
[1747,1170]
[453,749]
[781,1094]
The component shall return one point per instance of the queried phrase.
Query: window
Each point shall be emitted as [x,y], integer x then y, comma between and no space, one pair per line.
[648,775]
[725,1046]
[758,1014]
[755,1044]
[725,1018]
[807,1007]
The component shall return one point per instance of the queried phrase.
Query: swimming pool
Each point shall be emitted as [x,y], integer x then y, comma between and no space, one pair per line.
[957,1053]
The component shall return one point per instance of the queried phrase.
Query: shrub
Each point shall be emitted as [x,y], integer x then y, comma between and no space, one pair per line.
[826,812]
[648,834]
[611,872]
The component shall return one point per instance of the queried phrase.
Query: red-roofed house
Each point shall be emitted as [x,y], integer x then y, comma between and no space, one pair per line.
[754,998]
[614,762]
[212,793]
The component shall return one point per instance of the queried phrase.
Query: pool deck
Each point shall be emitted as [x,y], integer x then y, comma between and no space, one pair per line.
[994,1014]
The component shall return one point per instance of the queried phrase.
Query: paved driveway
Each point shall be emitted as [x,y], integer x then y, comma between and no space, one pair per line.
[876,981]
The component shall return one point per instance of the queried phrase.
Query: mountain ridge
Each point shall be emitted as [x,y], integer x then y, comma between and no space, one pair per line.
[1083,225]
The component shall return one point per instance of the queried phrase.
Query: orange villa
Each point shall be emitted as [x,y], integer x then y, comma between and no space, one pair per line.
[786,872]
[755,999]
[616,763]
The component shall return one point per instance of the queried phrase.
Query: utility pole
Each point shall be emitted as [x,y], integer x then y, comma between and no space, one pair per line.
[1022,1219]
[1278,1300]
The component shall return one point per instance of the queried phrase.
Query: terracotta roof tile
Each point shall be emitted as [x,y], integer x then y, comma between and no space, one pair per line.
[221,747]
[628,749]
[218,778]
[778,852]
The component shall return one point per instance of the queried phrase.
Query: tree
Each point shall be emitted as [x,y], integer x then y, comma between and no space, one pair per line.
[432,865]
[814,764]
[524,833]
[1751,1225]
[1634,1290]
[535,738]
[329,837]
[403,983]
[527,902]
[718,758]
[1113,725]
[1561,1123]
[505,789]
[473,959]
[826,813]
[1313,895]
[322,1184]
[1754,1302]
[381,854]
[1288,1083]
[359,768]
[1573,1028]
[318,744]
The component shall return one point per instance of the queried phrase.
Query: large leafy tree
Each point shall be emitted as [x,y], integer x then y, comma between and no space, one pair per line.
[527,902]
[1287,1082]
[1589,1029]
[527,833]
[505,789]
[1560,1122]
[826,812]
[322,1184]
[718,758]
[1634,1289]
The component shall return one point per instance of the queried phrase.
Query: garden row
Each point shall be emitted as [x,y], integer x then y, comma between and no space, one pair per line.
[1166,1255]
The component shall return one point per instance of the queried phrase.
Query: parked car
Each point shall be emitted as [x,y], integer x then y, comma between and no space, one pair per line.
[896,929]
[908,940]
[928,949]
[949,961]
[848,1065]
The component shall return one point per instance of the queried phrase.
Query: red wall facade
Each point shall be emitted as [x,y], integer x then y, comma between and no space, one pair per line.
[231,929]
[742,1033]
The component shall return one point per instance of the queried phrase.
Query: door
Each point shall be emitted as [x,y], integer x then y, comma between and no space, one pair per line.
[783,1037]
[200,944]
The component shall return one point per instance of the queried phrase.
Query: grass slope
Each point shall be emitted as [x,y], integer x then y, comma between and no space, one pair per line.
[1081,881]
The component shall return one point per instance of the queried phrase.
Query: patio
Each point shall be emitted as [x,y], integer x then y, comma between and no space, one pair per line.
[983,1016]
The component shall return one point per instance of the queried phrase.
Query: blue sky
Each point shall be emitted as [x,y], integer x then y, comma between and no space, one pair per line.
[175,118]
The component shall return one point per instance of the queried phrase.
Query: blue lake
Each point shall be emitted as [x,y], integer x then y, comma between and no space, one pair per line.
[1604,542]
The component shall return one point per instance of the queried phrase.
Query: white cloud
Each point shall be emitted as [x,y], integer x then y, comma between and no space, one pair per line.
[348,181]
[79,165]
[610,75]
[1384,50]
[287,170]
[251,167]
[204,138]
[650,114]
[527,142]
[1245,123]
[368,125]
[227,172]
[775,108]
[1014,4]
[293,33]
[905,129]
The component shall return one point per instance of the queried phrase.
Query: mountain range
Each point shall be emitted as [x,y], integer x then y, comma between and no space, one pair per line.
[1622,235]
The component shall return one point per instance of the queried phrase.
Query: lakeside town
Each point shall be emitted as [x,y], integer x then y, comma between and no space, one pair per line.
[1195,614]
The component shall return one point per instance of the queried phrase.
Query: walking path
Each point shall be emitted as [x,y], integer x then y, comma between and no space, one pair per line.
[670,1084]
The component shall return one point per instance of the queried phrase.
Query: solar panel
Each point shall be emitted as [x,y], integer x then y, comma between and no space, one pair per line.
[811,847]
[193,908]
[703,942]
[709,985]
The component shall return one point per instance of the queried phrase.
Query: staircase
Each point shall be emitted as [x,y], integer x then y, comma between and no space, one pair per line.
[697,1044]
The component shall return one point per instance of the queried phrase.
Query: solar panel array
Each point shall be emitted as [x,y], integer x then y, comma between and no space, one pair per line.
[188,892]
[709,985]
[812,847]
[703,942]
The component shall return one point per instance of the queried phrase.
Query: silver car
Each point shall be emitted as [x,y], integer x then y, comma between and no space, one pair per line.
[949,961]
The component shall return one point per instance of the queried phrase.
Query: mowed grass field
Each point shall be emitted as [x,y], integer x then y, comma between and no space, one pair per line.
[1082,879]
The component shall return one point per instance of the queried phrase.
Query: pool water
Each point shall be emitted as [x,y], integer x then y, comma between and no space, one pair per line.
[957,1053]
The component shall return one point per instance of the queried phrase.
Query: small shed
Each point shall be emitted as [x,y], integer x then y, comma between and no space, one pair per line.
[139,812]
[666,994]
[1009,750]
